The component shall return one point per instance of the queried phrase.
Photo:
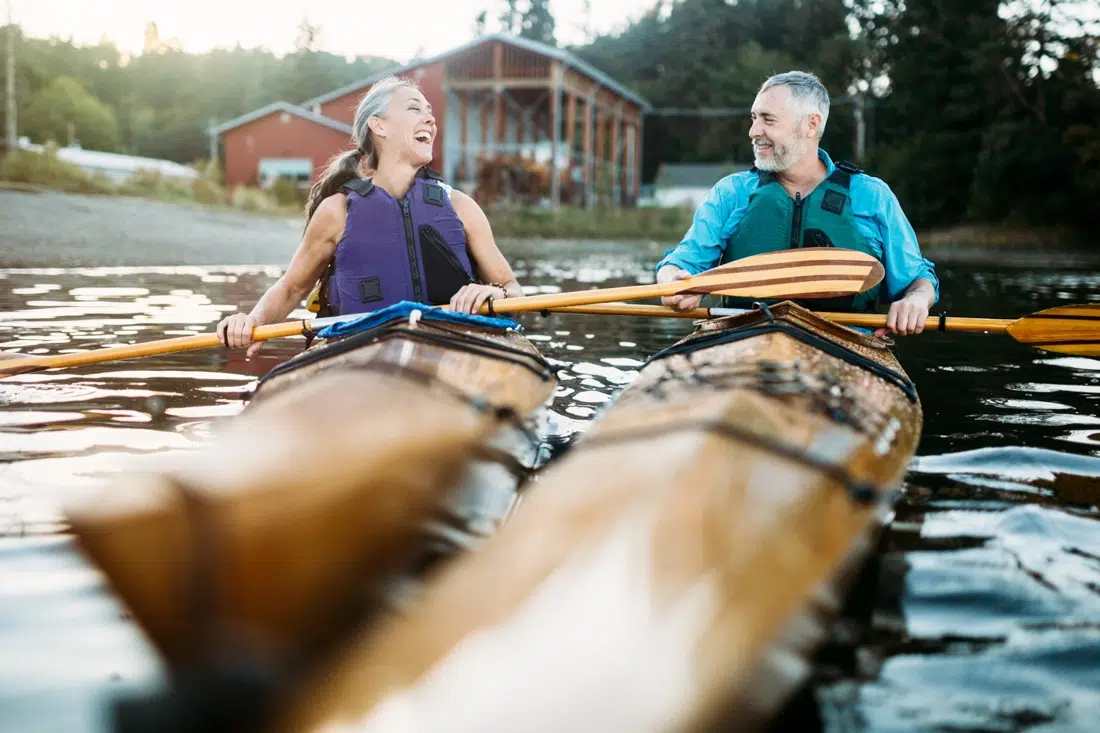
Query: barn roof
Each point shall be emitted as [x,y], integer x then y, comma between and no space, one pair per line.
[282,107]
[693,175]
[543,49]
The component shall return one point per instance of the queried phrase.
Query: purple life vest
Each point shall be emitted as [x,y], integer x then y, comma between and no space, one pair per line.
[393,250]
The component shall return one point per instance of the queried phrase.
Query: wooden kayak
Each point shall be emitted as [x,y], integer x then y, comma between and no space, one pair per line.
[353,460]
[673,570]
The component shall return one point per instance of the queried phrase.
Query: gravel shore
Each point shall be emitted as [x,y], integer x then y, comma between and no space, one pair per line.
[53,229]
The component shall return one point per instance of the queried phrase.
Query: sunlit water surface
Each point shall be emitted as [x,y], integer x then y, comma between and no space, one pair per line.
[981,612]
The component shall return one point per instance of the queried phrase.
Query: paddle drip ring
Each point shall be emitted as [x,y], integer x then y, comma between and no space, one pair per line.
[943,322]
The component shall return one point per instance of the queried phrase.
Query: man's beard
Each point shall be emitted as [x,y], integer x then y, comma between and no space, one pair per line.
[782,157]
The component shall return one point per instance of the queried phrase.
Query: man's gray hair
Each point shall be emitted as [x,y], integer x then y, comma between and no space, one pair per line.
[808,94]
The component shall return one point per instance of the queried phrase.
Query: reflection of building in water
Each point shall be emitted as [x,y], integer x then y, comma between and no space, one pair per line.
[514,117]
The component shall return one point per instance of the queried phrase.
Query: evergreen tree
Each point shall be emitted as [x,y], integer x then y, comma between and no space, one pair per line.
[537,22]
[510,17]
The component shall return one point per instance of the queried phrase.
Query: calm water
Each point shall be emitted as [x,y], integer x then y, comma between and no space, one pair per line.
[980,613]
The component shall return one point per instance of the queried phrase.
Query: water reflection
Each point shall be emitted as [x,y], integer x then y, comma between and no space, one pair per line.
[981,610]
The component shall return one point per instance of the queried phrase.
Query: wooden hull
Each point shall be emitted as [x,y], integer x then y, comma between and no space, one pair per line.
[351,460]
[669,572]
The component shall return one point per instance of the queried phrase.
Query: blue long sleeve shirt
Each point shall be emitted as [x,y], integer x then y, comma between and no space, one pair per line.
[877,213]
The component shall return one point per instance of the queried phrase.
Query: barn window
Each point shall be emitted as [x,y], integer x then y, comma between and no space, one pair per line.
[298,170]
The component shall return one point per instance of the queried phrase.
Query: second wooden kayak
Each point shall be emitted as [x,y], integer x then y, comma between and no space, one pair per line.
[671,572]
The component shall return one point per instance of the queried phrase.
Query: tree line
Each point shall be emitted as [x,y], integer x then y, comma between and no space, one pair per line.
[975,110]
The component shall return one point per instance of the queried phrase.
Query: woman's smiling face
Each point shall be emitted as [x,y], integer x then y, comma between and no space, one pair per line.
[408,129]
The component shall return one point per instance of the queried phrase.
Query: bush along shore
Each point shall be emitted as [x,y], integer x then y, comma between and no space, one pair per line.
[29,170]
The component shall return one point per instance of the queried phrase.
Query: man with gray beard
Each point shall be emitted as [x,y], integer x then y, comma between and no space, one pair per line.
[795,196]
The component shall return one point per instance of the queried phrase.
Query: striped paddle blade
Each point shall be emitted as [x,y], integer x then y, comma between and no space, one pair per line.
[814,272]
[1067,329]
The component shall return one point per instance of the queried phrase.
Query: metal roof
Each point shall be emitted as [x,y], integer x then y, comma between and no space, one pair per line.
[115,163]
[281,107]
[528,45]
[671,175]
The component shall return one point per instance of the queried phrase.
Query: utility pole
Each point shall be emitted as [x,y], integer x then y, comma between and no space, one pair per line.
[213,141]
[861,127]
[12,130]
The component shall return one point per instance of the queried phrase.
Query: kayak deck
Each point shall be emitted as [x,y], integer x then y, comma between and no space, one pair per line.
[654,575]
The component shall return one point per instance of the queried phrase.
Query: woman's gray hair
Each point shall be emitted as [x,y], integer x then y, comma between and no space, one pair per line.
[345,166]
[808,94]
[374,104]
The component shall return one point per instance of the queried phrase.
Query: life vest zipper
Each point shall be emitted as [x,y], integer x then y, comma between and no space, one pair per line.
[410,242]
[796,220]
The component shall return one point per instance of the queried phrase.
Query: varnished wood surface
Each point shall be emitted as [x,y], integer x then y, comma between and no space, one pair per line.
[803,273]
[314,492]
[649,577]
[1070,329]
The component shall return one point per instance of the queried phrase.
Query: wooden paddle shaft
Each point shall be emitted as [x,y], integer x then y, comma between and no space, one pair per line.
[792,274]
[866,320]
[750,284]
[152,348]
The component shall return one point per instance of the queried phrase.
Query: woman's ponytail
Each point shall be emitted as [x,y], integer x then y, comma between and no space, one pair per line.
[345,166]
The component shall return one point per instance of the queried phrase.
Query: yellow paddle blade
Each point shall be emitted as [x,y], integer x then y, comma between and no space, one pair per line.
[812,272]
[1067,329]
[313,302]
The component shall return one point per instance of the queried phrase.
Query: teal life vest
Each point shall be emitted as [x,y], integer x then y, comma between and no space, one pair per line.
[774,221]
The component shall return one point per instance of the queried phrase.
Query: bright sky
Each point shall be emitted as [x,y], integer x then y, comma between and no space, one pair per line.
[396,29]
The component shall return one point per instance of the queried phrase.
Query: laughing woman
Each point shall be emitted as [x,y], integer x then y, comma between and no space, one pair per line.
[401,234]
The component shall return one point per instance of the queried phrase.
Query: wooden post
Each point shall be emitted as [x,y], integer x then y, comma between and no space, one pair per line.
[555,132]
[587,133]
[629,167]
[483,113]
[616,159]
[600,163]
[638,154]
[570,128]
[498,92]
[463,145]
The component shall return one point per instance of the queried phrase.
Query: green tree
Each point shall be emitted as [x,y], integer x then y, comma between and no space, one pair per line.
[945,88]
[64,105]
[1039,159]
[510,17]
[715,54]
[537,22]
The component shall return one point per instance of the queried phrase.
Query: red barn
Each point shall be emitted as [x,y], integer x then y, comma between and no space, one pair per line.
[495,98]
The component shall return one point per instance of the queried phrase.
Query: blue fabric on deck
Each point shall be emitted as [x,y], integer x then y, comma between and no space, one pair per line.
[401,311]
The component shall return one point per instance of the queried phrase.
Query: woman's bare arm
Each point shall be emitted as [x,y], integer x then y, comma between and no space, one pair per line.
[307,266]
[482,246]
